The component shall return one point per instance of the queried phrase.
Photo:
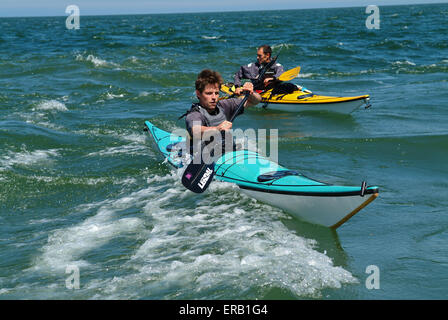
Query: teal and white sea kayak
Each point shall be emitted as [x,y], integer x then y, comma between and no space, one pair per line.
[267,181]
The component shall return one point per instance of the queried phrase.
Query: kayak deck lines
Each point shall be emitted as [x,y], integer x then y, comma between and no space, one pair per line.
[320,100]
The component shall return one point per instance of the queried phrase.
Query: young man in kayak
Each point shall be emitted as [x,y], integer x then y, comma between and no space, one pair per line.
[252,70]
[211,113]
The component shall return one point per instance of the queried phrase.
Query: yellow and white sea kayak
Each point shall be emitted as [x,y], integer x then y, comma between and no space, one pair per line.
[299,100]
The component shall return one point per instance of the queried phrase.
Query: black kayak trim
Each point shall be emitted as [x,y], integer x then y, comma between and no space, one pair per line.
[311,193]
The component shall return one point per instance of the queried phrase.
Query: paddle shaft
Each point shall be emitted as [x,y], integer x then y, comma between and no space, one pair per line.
[241,105]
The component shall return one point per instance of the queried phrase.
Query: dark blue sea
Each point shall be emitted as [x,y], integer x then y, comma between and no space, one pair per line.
[82,187]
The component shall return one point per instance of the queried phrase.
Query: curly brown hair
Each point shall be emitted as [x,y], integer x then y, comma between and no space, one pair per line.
[206,77]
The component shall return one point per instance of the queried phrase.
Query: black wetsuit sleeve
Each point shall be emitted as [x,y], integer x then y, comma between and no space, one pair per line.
[192,119]
[278,70]
[238,77]
[250,72]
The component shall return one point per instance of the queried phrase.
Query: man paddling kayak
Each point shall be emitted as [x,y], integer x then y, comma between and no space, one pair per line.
[252,70]
[208,123]
[211,113]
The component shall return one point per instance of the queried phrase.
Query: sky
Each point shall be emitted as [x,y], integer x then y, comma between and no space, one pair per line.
[25,8]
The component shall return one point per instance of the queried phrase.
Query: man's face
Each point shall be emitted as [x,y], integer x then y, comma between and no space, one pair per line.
[209,97]
[263,57]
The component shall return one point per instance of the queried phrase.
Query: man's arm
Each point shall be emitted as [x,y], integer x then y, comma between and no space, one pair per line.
[254,97]
[238,77]
[253,100]
[278,69]
[198,130]
[246,72]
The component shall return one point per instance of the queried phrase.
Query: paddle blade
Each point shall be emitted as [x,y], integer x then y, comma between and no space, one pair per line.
[290,74]
[197,176]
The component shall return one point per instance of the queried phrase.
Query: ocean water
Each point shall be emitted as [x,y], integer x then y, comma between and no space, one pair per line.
[82,187]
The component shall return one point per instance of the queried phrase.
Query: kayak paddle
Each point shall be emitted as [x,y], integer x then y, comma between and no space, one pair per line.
[198,176]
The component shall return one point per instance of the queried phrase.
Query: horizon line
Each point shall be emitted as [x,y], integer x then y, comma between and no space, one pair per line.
[223,11]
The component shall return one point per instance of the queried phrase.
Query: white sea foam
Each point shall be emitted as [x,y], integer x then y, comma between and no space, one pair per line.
[4,291]
[136,142]
[43,178]
[281,45]
[305,75]
[133,59]
[224,246]
[210,37]
[228,241]
[43,221]
[51,105]
[27,158]
[131,149]
[67,246]
[110,96]
[216,247]
[97,62]
[405,62]
[133,137]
